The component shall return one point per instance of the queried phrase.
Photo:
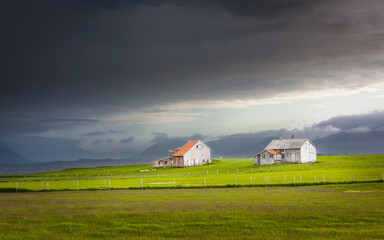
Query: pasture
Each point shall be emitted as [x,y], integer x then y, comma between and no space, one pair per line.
[350,211]
[220,173]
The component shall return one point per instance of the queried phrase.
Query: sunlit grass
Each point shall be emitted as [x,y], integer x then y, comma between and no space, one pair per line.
[221,173]
[351,211]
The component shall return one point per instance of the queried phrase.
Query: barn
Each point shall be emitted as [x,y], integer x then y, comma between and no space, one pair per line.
[287,151]
[193,153]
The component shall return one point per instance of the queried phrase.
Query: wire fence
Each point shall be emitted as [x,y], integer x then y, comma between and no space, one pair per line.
[196,180]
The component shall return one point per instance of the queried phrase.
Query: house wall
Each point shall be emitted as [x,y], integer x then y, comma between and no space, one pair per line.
[197,155]
[308,153]
[265,158]
[292,155]
[178,162]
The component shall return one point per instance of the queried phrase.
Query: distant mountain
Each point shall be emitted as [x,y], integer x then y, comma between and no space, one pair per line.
[351,143]
[237,145]
[160,150]
[27,168]
[8,156]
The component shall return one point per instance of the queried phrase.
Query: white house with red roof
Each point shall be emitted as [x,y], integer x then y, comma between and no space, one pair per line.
[193,153]
[287,151]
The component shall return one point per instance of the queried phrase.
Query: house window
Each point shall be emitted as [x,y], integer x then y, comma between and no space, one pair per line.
[263,156]
[204,160]
[271,155]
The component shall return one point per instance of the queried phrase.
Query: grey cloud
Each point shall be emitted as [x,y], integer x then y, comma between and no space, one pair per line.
[97,141]
[115,131]
[127,140]
[68,121]
[95,133]
[110,140]
[160,137]
[363,122]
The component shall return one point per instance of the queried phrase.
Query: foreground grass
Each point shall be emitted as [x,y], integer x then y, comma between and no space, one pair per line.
[352,211]
[221,173]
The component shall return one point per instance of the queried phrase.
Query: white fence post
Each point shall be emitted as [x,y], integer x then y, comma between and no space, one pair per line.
[294,180]
[205,183]
[142,185]
[17,186]
[235,182]
[250,179]
[77,185]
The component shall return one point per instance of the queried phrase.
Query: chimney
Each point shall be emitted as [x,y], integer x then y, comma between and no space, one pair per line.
[280,138]
[293,136]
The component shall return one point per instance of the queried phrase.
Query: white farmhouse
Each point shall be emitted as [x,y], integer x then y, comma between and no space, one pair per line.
[193,153]
[287,151]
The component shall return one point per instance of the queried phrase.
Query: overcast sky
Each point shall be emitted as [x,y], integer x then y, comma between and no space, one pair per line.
[103,78]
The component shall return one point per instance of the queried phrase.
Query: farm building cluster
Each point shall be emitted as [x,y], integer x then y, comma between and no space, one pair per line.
[287,151]
[193,153]
[196,153]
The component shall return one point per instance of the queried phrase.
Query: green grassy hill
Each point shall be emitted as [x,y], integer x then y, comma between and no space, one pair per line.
[220,173]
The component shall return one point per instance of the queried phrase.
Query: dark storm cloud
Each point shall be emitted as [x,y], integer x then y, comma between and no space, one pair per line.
[115,131]
[68,121]
[97,141]
[363,122]
[127,140]
[90,134]
[115,56]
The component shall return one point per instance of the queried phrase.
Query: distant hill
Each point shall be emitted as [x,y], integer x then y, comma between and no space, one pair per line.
[30,167]
[351,143]
[237,145]
[8,156]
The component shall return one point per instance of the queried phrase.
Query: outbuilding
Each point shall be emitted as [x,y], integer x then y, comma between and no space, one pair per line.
[287,151]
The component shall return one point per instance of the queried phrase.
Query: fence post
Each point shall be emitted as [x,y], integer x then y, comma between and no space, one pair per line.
[109,187]
[174,183]
[237,170]
[260,169]
[207,172]
[332,178]
[215,180]
[217,170]
[251,170]
[142,185]
[294,180]
[235,182]
[47,186]
[324,179]
[284,179]
[17,186]
[205,183]
[301,179]
[77,185]
[188,174]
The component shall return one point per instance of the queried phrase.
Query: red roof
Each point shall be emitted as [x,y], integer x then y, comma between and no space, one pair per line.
[185,148]
[273,151]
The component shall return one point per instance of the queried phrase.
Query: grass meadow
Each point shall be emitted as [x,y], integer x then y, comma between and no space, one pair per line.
[344,211]
[221,173]
[340,197]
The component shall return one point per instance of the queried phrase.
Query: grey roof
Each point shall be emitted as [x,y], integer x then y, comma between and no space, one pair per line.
[286,143]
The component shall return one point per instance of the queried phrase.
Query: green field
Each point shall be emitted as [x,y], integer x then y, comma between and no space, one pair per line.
[346,204]
[221,173]
[349,211]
